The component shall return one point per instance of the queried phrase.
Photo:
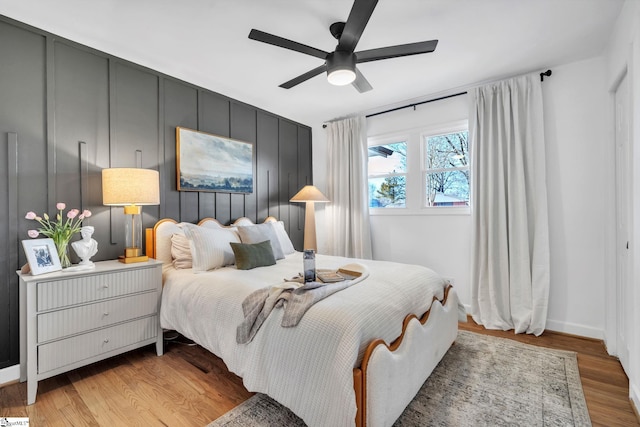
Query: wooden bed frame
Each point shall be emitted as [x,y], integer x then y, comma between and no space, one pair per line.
[377,378]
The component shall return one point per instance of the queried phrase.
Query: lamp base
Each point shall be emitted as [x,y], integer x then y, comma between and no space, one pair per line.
[131,259]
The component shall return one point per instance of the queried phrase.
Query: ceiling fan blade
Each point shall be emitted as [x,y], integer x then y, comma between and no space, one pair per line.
[396,51]
[357,21]
[361,83]
[304,77]
[261,36]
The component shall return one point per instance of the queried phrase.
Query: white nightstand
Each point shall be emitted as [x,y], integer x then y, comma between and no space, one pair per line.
[68,320]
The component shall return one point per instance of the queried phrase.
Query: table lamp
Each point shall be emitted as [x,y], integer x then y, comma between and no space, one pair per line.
[131,188]
[310,195]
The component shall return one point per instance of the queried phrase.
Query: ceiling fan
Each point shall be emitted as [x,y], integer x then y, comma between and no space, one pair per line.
[340,64]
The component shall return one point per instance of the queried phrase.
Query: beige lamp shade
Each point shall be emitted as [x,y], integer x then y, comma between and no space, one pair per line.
[130,186]
[310,195]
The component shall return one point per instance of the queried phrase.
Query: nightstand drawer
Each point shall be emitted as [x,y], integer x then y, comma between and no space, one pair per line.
[81,289]
[62,323]
[57,354]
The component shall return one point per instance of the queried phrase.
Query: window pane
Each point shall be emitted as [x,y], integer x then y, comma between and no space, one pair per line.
[447,188]
[447,151]
[388,158]
[387,192]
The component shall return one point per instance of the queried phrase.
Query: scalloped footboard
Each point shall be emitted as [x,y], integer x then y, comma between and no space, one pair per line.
[391,376]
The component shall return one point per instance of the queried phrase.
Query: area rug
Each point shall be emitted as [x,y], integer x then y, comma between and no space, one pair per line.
[481,381]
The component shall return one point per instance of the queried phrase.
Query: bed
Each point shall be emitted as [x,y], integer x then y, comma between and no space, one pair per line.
[357,357]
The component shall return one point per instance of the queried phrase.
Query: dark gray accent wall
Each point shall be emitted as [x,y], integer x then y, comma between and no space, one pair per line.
[68,111]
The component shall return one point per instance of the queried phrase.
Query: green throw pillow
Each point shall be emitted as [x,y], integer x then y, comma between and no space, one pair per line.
[252,255]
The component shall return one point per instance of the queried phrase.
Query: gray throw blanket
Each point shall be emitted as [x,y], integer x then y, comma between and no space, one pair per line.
[295,299]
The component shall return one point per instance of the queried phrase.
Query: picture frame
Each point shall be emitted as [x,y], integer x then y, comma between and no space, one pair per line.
[42,256]
[208,162]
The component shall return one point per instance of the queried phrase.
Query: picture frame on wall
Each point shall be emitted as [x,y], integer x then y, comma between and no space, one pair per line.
[42,256]
[207,162]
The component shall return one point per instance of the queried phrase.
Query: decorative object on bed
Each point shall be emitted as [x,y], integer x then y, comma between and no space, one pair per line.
[310,195]
[131,188]
[295,299]
[42,256]
[210,247]
[61,230]
[260,233]
[346,360]
[85,248]
[252,255]
[207,162]
[309,265]
[534,386]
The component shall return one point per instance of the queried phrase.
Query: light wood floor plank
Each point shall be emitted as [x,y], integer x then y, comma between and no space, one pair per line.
[188,386]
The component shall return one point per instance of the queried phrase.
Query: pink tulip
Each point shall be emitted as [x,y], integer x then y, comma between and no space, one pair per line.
[86,213]
[72,213]
[30,215]
[60,206]
[33,233]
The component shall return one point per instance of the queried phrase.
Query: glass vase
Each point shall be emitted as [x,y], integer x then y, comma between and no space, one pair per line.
[62,245]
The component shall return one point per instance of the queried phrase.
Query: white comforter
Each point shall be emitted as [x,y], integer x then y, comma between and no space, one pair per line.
[308,368]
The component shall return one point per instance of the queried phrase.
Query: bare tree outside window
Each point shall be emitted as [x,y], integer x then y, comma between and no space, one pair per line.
[447,169]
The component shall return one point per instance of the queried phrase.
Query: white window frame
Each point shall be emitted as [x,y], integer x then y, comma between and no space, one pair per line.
[415,191]
[454,127]
[390,139]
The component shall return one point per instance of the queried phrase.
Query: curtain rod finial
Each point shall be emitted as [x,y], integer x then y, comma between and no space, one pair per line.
[546,73]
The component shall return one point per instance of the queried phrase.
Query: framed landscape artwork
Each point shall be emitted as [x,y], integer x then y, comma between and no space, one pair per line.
[207,162]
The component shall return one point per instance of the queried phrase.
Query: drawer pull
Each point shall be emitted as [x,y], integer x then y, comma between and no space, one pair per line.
[106,313]
[106,341]
[105,286]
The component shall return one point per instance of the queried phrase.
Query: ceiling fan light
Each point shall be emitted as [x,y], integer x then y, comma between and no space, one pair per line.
[341,68]
[341,77]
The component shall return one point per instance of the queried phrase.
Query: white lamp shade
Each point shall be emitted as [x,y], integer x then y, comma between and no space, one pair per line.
[309,193]
[130,186]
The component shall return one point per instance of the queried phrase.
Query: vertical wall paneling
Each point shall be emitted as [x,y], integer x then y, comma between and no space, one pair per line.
[213,117]
[68,111]
[180,109]
[266,181]
[305,171]
[288,170]
[23,164]
[243,128]
[134,119]
[12,316]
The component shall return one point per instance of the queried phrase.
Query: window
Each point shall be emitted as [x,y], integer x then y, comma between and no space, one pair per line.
[446,169]
[388,175]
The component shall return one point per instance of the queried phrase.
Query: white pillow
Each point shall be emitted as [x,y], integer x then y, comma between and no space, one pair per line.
[283,238]
[260,233]
[180,251]
[210,248]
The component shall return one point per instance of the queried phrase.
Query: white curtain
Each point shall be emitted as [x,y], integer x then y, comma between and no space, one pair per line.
[347,213]
[510,231]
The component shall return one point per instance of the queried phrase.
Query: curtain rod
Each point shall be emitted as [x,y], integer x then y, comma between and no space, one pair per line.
[545,73]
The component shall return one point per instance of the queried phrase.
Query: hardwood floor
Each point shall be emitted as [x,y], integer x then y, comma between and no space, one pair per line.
[188,386]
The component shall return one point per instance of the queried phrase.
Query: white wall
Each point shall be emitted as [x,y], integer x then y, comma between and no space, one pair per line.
[575,100]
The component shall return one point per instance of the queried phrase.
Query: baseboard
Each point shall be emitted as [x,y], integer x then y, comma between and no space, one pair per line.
[566,327]
[9,375]
[634,398]
[575,329]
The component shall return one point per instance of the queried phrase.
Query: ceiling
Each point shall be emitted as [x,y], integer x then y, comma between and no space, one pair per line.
[206,42]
